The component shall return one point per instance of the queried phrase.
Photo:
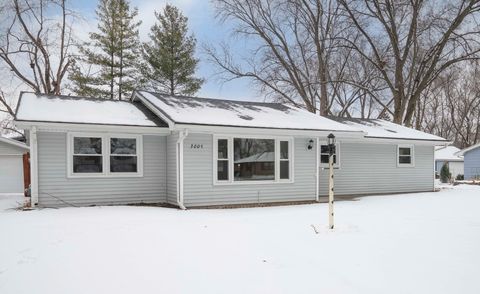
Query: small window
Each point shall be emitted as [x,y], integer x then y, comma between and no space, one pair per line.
[405,156]
[324,155]
[123,155]
[284,160]
[222,160]
[87,155]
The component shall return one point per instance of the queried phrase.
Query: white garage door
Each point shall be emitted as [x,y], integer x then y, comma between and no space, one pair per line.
[11,174]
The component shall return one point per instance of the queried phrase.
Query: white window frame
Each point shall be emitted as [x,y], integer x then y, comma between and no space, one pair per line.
[412,155]
[336,165]
[106,154]
[231,180]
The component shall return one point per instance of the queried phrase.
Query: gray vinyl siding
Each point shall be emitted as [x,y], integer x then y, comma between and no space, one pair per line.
[368,168]
[54,184]
[198,178]
[6,148]
[172,168]
[472,164]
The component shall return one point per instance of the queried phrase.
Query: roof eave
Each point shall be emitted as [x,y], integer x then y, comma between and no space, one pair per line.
[14,143]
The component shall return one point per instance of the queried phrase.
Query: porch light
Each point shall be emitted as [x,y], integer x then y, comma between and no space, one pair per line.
[310,144]
[331,144]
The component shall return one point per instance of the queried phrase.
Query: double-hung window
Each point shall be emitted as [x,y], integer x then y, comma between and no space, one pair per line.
[104,155]
[405,155]
[245,159]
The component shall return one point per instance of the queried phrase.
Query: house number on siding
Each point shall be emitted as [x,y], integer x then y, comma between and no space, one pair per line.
[196,146]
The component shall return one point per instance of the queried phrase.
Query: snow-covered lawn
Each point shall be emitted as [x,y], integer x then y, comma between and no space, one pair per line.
[412,243]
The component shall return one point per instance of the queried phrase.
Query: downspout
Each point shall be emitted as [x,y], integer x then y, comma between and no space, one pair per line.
[182,135]
[317,169]
[33,167]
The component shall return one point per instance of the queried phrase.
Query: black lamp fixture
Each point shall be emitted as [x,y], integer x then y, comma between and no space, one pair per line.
[310,144]
[331,143]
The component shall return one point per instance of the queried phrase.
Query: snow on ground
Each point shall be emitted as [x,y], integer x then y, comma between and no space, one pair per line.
[412,243]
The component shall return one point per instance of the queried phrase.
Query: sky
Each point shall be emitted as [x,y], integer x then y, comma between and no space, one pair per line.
[206,28]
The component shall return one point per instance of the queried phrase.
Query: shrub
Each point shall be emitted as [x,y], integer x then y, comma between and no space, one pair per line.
[459,178]
[445,173]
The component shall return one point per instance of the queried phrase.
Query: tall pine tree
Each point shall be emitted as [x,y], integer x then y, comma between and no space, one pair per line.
[109,67]
[169,56]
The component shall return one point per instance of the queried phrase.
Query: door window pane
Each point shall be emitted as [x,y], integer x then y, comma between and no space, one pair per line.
[324,154]
[254,159]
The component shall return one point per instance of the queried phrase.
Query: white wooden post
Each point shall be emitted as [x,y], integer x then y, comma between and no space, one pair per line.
[330,190]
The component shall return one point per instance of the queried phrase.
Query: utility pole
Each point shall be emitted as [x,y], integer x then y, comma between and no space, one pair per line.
[331,153]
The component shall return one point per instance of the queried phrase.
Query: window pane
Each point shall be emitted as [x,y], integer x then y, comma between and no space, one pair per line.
[87,145]
[405,159]
[284,169]
[222,170]
[324,149]
[123,164]
[324,159]
[222,148]
[283,149]
[123,146]
[254,159]
[404,151]
[87,164]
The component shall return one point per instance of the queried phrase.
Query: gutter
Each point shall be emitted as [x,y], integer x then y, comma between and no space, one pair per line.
[182,135]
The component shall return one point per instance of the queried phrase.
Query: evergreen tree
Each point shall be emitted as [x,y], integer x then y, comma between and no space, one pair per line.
[111,56]
[169,56]
[445,173]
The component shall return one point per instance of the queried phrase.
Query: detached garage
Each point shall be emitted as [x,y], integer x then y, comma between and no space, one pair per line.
[11,165]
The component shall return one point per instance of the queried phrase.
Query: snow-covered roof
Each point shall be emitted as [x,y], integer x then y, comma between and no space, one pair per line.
[447,153]
[81,110]
[216,112]
[379,128]
[14,142]
[463,151]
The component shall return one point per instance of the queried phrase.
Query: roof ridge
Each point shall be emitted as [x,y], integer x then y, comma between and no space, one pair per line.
[73,97]
[167,96]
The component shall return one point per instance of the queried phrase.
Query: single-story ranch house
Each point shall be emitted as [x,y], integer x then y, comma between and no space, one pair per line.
[471,156]
[189,152]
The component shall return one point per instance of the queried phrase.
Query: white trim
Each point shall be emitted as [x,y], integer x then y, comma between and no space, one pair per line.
[14,143]
[231,176]
[69,127]
[262,132]
[412,155]
[338,154]
[33,167]
[179,161]
[105,155]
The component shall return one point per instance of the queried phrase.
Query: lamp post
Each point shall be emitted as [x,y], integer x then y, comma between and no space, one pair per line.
[331,153]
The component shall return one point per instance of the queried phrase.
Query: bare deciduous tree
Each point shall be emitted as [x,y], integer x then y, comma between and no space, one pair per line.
[294,44]
[410,42]
[35,42]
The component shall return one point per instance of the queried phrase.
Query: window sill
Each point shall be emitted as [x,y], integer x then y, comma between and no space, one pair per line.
[100,176]
[239,183]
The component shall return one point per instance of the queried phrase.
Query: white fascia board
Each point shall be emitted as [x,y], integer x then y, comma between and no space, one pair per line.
[153,109]
[14,143]
[399,141]
[66,127]
[208,129]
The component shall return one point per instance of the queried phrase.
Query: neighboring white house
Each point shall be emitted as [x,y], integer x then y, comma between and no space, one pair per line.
[471,157]
[11,165]
[189,151]
[447,155]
